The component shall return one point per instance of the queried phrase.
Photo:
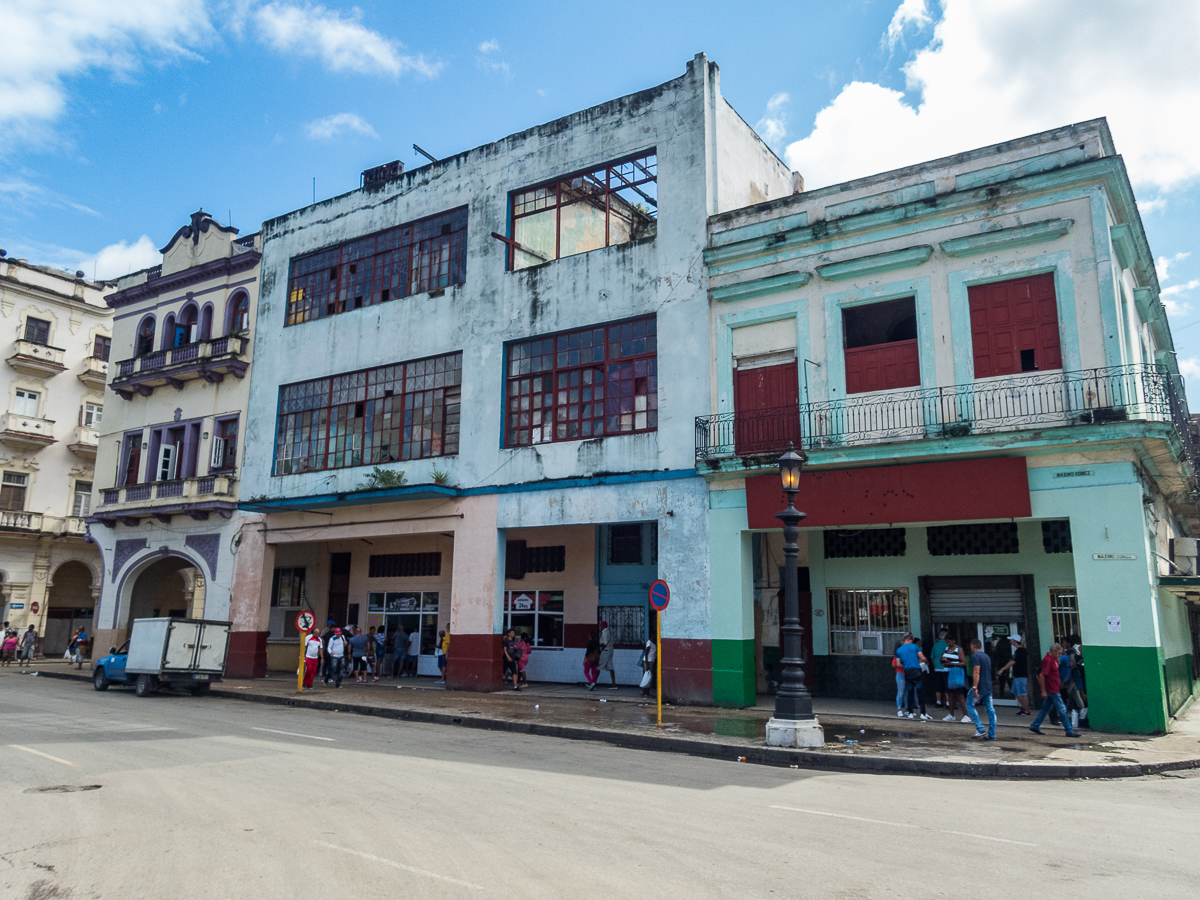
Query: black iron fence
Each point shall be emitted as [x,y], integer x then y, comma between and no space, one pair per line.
[1042,400]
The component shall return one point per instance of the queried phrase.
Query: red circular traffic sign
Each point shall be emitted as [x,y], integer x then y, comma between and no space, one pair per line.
[306,621]
[660,595]
[33,607]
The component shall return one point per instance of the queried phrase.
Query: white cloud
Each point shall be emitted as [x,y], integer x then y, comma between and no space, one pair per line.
[1175,289]
[1145,207]
[489,46]
[121,258]
[342,44]
[488,63]
[1189,367]
[1162,265]
[24,196]
[772,127]
[331,126]
[49,41]
[996,71]
[910,12]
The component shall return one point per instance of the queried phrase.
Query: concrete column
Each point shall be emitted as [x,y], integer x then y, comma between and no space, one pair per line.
[250,600]
[731,582]
[476,597]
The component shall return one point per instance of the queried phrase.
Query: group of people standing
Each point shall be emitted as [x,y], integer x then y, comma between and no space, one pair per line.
[22,645]
[964,678]
[339,653]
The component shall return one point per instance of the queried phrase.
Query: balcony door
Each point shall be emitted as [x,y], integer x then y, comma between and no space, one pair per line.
[766,400]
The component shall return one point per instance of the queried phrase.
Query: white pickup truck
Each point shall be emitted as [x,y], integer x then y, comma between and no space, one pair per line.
[173,653]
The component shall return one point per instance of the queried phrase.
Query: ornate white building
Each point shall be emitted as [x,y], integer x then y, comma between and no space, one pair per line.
[57,331]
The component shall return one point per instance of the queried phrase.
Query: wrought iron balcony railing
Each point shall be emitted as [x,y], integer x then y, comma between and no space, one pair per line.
[1015,403]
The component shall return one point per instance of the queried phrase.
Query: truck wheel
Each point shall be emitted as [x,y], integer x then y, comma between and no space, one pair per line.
[199,690]
[100,681]
[146,685]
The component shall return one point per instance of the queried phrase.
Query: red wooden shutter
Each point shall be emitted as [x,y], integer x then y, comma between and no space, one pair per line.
[1008,317]
[882,367]
[757,391]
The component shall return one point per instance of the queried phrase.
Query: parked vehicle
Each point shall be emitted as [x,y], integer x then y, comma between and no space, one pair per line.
[187,654]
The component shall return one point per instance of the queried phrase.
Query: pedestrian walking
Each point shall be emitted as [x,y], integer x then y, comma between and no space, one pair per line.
[358,654]
[591,661]
[911,658]
[312,658]
[1018,665]
[336,649]
[81,639]
[525,646]
[380,651]
[606,653]
[329,626]
[511,652]
[901,685]
[9,648]
[1069,689]
[940,672]
[414,651]
[1050,685]
[649,655]
[443,651]
[956,680]
[25,646]
[981,691]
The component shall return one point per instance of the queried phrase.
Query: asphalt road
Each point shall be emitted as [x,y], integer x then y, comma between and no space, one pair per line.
[209,798]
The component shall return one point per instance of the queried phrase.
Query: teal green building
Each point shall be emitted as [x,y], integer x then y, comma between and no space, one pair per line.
[973,354]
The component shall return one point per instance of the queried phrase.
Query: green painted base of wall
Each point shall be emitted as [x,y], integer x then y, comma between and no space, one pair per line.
[1177,673]
[733,674]
[1125,688]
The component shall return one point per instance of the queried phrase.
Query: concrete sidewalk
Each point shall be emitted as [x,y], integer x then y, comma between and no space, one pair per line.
[860,736]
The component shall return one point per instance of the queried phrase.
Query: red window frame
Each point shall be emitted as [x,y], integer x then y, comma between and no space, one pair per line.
[426,255]
[581,384]
[1012,318]
[409,410]
[627,185]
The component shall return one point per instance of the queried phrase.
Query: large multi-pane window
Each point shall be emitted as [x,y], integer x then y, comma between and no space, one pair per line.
[867,622]
[421,256]
[582,384]
[409,410]
[600,207]
[536,614]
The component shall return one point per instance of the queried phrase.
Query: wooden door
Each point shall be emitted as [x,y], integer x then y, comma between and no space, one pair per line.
[1014,326]
[766,402]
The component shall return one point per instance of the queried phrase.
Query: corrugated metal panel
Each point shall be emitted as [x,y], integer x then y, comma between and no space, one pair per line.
[977,604]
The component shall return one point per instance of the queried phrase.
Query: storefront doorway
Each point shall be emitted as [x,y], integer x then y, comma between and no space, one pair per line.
[987,608]
[410,610]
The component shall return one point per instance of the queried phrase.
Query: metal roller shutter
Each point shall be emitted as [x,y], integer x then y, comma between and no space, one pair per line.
[976,604]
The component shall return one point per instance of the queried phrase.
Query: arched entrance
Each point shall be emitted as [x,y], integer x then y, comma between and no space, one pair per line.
[69,605]
[171,586]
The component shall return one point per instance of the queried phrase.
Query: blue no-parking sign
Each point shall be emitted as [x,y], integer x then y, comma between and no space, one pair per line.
[660,595]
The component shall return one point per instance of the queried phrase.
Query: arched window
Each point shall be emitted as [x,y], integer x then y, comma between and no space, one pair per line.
[185,326]
[168,335]
[206,316]
[145,336]
[239,313]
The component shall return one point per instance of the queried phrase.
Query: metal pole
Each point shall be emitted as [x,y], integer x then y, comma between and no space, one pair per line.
[300,671]
[792,701]
[658,663]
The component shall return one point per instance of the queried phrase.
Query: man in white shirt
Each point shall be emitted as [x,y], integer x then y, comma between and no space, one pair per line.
[414,651]
[312,657]
[337,657]
[606,654]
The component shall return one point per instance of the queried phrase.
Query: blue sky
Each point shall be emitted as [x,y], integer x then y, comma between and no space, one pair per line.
[118,118]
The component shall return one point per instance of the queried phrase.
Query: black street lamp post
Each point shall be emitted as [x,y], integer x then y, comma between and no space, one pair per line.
[792,700]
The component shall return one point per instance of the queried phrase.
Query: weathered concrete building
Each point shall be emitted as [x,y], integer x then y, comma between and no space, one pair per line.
[973,354]
[58,332]
[165,513]
[477,382]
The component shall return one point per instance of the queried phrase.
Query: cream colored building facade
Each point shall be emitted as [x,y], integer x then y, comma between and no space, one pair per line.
[56,330]
[165,514]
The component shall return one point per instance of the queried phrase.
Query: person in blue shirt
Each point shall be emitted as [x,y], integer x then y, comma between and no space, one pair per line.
[981,691]
[911,658]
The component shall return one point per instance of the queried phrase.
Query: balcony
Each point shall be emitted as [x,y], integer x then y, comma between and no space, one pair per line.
[84,442]
[95,373]
[210,360]
[38,360]
[195,497]
[1014,403]
[19,520]
[26,433]
[37,523]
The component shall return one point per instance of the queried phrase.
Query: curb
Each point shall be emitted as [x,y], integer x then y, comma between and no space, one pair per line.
[761,755]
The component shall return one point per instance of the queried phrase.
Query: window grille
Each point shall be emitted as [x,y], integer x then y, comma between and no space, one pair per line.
[546,559]
[626,623]
[404,565]
[1064,612]
[982,539]
[867,621]
[625,544]
[1056,536]
[601,207]
[403,411]
[868,542]
[425,255]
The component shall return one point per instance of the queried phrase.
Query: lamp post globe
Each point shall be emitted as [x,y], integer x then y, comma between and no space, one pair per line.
[792,700]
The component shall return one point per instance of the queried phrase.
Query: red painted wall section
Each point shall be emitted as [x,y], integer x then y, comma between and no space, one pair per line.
[474,662]
[247,654]
[687,672]
[958,490]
